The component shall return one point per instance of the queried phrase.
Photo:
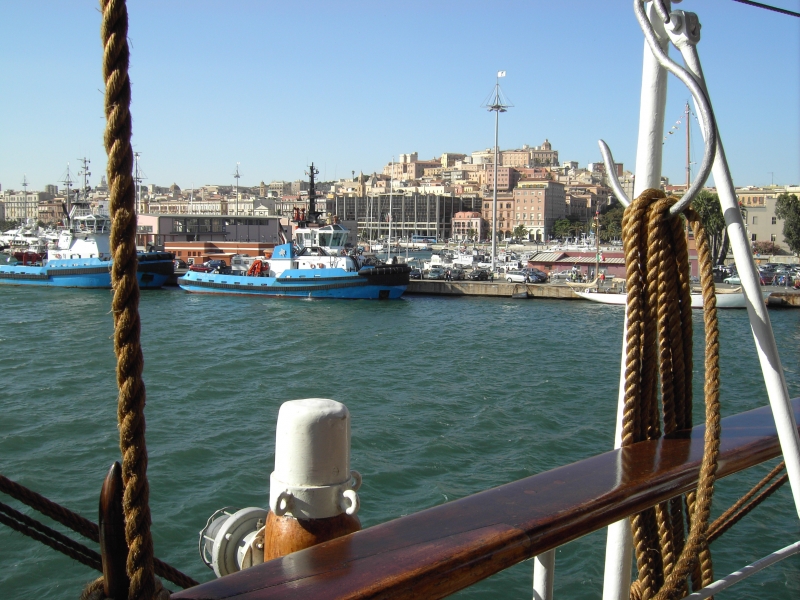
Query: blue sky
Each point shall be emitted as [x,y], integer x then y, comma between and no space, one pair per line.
[348,84]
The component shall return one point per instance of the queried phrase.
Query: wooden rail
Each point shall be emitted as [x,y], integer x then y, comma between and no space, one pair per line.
[441,550]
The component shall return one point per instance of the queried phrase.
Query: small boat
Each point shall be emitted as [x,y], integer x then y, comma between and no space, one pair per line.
[82,258]
[316,265]
[725,298]
[520,291]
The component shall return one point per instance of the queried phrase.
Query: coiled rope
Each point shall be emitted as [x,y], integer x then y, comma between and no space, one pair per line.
[125,305]
[659,348]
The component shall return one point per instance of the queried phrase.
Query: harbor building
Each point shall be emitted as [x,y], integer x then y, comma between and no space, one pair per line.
[160,230]
[412,212]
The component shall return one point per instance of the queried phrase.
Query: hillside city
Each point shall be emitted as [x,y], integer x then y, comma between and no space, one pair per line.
[539,198]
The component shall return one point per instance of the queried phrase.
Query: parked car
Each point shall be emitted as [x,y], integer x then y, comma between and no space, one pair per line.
[415,274]
[516,276]
[565,275]
[180,264]
[457,274]
[202,268]
[479,275]
[209,266]
[733,280]
[436,273]
[535,275]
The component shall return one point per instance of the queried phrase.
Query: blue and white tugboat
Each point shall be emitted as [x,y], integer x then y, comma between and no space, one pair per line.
[81,258]
[316,265]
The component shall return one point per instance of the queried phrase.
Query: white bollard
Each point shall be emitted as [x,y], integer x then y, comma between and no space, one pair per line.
[312,495]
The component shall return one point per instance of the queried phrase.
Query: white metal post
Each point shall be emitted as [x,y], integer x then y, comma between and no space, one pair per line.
[544,567]
[760,325]
[617,575]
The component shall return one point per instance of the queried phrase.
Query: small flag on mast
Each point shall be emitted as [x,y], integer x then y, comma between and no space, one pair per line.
[501,73]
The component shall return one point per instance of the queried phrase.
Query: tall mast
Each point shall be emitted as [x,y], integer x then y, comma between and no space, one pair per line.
[391,196]
[137,179]
[497,106]
[84,172]
[236,176]
[688,164]
[68,182]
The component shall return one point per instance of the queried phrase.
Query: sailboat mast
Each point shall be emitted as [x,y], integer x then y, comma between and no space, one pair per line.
[236,176]
[688,164]
[391,197]
[137,179]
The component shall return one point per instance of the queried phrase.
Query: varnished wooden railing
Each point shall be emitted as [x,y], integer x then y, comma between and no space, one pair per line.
[441,550]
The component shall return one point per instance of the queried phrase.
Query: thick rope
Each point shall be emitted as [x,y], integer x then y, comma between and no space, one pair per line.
[50,509]
[659,350]
[95,591]
[744,505]
[49,537]
[125,305]
[78,524]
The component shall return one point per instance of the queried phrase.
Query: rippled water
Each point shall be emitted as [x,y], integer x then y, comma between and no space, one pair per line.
[447,397]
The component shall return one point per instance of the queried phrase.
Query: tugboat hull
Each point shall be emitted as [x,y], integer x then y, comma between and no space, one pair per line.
[83,273]
[337,283]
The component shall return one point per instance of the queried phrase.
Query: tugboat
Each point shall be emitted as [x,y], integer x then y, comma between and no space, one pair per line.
[315,265]
[82,258]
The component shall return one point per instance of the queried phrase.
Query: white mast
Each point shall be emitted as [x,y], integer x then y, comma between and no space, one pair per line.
[85,173]
[137,179]
[68,182]
[391,196]
[497,106]
[236,176]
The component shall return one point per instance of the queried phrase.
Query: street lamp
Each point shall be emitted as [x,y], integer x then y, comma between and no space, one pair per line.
[497,106]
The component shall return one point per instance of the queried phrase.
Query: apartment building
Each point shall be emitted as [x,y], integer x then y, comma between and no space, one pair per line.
[761,223]
[506,179]
[22,205]
[537,205]
[468,224]
[583,200]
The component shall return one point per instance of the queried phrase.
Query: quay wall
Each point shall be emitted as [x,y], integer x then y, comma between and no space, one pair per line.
[786,298]
[497,289]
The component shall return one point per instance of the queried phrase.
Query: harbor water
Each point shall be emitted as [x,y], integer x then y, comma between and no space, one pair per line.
[447,397]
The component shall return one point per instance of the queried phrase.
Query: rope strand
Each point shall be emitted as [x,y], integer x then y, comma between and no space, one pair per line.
[125,304]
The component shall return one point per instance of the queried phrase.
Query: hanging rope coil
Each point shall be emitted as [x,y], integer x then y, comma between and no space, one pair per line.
[125,305]
[659,350]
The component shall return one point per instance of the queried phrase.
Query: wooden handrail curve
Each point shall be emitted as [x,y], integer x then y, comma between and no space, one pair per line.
[440,550]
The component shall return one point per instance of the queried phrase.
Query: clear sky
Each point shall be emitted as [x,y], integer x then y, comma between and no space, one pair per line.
[349,84]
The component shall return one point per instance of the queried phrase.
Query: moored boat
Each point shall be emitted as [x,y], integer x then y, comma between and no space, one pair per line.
[316,265]
[725,298]
[82,258]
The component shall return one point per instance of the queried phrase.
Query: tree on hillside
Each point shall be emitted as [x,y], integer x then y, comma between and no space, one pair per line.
[611,221]
[788,209]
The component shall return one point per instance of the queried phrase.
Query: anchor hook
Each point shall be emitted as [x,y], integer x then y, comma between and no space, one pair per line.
[707,120]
